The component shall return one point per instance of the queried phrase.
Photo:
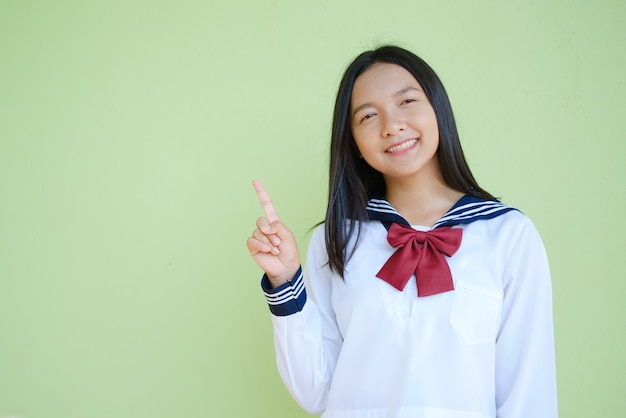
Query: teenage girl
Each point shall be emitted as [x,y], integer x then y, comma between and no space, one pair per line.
[423,296]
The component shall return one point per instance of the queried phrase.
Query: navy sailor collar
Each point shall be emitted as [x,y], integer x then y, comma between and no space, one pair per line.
[466,210]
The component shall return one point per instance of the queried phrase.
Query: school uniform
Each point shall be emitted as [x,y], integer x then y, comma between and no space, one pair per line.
[360,347]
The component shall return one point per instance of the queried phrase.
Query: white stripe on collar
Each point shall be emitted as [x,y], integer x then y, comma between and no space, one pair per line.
[467,210]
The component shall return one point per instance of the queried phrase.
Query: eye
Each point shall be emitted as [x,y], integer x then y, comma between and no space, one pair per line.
[367,116]
[407,101]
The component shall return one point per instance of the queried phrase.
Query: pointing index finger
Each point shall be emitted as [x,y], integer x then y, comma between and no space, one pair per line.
[266,202]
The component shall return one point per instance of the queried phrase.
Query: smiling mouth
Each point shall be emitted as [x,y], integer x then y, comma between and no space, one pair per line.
[401,147]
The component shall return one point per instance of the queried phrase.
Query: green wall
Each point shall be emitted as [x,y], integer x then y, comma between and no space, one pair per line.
[130,132]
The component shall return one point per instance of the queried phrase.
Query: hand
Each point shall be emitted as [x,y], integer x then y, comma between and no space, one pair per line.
[272,245]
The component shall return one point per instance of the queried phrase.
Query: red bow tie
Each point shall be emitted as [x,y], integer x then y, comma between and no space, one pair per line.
[421,253]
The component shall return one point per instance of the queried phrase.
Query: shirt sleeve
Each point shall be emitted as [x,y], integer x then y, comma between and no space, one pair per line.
[306,336]
[525,363]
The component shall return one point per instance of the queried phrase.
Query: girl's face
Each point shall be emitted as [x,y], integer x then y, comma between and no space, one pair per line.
[394,124]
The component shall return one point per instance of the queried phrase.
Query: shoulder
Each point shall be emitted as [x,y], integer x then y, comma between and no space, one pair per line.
[509,224]
[516,235]
[356,232]
[513,222]
[501,225]
[512,218]
[351,227]
[318,235]
[470,209]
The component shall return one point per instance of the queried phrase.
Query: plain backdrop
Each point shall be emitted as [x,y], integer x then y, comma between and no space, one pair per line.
[130,132]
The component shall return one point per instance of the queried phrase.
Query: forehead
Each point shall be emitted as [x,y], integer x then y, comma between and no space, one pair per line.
[381,79]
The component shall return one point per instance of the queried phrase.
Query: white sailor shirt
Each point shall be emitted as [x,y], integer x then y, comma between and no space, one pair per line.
[359,348]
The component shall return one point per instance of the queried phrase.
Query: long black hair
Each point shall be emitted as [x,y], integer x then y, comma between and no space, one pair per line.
[352,182]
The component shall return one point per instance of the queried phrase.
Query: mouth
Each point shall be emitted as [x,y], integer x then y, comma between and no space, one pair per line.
[402,146]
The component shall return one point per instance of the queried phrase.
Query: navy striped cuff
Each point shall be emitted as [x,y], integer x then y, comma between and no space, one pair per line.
[286,299]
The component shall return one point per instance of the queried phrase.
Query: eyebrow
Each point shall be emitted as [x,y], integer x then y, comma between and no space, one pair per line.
[398,93]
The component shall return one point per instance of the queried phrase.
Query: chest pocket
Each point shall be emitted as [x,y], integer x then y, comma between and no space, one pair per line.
[476,313]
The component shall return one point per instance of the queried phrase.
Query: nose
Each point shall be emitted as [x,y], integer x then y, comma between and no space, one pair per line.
[393,124]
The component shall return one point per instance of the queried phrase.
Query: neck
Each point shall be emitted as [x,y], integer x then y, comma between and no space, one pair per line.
[423,200]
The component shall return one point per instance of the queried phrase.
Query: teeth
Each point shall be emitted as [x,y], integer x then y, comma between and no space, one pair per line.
[402,146]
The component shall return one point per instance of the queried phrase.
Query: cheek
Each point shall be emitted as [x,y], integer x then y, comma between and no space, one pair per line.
[426,115]
[359,142]
[365,136]
[432,120]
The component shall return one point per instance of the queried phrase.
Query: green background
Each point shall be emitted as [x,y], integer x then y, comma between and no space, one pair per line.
[130,132]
